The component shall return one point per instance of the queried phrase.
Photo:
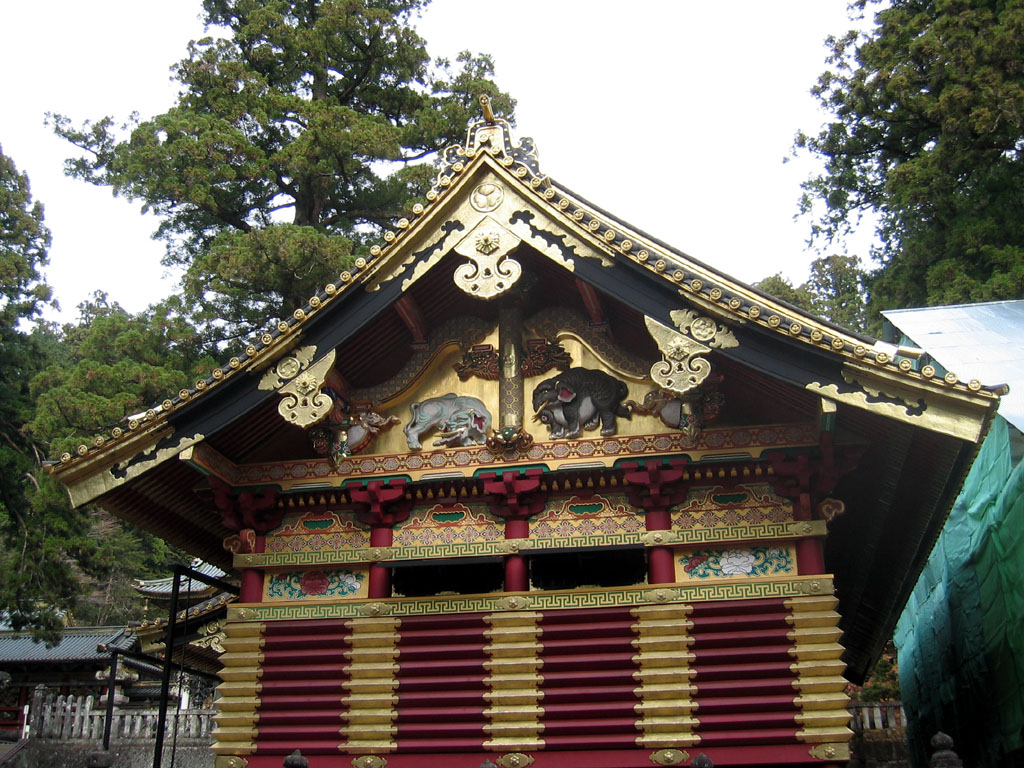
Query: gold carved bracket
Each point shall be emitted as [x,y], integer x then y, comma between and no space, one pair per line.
[298,382]
[491,271]
[670,756]
[682,369]
[515,760]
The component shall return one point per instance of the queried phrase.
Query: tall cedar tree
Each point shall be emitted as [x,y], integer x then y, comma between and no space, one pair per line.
[299,135]
[37,527]
[92,375]
[927,133]
[835,290]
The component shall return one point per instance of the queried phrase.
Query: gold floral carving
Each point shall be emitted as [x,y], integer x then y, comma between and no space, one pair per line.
[369,761]
[513,603]
[659,538]
[375,609]
[830,751]
[829,509]
[298,383]
[515,760]
[491,271]
[682,368]
[487,196]
[213,637]
[230,761]
[670,756]
[704,329]
[288,368]
[661,595]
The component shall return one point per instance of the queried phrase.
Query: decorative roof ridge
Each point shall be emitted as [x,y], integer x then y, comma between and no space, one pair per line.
[207,606]
[492,138]
[482,139]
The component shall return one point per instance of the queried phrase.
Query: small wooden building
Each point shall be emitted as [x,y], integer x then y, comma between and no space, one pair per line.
[527,484]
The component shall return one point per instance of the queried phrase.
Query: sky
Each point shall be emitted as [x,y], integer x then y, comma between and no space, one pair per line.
[675,117]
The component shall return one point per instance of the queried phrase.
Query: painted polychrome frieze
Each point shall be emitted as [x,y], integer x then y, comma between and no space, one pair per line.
[349,583]
[318,531]
[594,520]
[736,562]
[752,510]
[448,524]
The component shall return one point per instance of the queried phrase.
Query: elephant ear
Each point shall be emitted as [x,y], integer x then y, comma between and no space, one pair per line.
[565,394]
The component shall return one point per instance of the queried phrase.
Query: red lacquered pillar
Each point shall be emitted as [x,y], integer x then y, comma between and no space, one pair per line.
[251,588]
[810,556]
[660,563]
[517,578]
[385,507]
[380,575]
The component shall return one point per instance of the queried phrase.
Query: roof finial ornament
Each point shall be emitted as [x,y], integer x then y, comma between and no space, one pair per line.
[485,105]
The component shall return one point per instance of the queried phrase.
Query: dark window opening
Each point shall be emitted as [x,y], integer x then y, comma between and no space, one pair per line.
[426,579]
[602,568]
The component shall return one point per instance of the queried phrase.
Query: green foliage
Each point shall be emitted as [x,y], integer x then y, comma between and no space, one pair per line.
[24,240]
[883,684]
[108,366]
[321,112]
[111,365]
[835,291]
[121,554]
[781,288]
[927,132]
[37,528]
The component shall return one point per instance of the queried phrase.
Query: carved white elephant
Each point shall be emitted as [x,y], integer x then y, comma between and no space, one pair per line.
[463,420]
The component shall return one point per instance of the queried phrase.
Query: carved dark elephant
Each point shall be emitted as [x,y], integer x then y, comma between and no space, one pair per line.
[579,398]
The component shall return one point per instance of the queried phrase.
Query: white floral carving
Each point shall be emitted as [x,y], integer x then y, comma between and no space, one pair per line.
[737,561]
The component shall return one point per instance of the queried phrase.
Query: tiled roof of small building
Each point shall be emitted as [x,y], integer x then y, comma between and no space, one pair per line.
[186,586]
[77,644]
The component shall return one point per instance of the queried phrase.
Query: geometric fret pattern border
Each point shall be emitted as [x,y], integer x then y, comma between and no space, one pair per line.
[547,601]
[737,533]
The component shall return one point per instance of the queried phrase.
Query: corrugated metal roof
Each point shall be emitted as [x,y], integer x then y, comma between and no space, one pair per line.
[974,341]
[77,644]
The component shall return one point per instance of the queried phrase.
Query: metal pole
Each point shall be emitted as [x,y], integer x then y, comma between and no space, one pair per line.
[165,683]
[111,682]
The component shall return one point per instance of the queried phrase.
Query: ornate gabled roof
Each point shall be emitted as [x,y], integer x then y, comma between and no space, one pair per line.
[491,217]
[574,233]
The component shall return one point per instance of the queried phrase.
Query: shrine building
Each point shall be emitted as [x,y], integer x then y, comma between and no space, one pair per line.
[527,485]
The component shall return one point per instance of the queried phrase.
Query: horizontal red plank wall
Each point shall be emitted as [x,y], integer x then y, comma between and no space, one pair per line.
[304,670]
[440,703]
[743,676]
[598,687]
[588,678]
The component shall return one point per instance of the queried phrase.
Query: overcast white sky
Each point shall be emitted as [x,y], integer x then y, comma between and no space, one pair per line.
[674,115]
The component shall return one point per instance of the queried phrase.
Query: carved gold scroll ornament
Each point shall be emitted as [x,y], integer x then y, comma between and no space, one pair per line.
[682,368]
[298,382]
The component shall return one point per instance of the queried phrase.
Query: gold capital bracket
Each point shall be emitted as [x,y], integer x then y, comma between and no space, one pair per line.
[682,369]
[298,382]
[491,271]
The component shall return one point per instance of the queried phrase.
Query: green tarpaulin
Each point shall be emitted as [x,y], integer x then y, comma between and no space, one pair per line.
[961,635]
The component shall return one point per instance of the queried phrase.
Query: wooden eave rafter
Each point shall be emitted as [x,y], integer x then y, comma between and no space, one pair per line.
[598,248]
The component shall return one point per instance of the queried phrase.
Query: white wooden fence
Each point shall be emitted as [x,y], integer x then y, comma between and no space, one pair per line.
[873,716]
[81,717]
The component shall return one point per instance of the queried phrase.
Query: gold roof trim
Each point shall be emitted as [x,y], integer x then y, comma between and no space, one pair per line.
[490,143]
